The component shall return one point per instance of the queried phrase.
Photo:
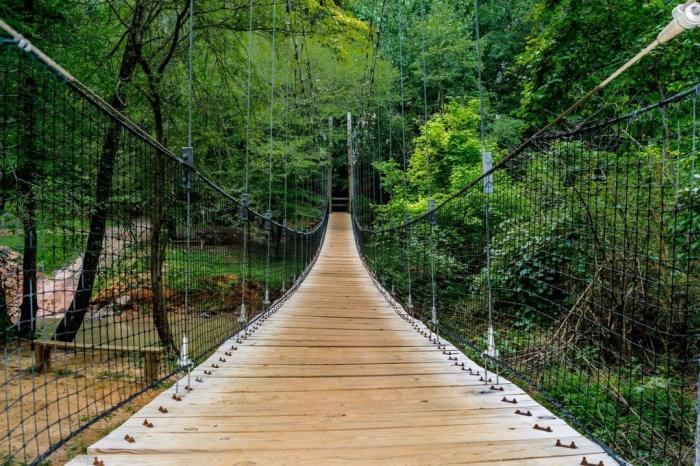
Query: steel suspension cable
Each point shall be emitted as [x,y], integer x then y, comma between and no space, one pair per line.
[243,317]
[431,201]
[491,350]
[188,162]
[268,214]
[288,82]
[404,149]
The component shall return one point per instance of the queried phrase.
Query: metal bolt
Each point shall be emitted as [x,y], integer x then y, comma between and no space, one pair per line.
[572,445]
[521,413]
[147,424]
[129,438]
[98,462]
[500,389]
[162,410]
[584,462]
[543,429]
[177,397]
[506,400]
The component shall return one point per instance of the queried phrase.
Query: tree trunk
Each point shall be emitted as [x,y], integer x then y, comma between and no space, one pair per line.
[27,176]
[160,228]
[28,309]
[160,315]
[75,314]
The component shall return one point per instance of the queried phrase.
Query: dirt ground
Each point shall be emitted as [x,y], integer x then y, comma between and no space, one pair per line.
[39,409]
[77,388]
[78,445]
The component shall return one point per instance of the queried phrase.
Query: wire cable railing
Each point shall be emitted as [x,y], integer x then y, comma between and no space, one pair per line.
[592,248]
[96,254]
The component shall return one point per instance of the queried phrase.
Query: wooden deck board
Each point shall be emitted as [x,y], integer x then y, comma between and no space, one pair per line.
[336,377]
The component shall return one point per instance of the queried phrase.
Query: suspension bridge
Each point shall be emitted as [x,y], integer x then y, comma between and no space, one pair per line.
[545,313]
[337,375]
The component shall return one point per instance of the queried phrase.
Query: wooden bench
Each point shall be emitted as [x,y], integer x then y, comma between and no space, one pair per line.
[193,242]
[151,355]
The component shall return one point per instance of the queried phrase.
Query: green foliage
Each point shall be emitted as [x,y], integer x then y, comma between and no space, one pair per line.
[574,45]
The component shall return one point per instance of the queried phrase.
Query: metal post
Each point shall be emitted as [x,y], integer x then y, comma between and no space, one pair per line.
[330,164]
[243,316]
[491,350]
[350,163]
[187,165]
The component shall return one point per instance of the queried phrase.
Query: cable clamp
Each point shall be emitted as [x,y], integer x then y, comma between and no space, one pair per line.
[491,350]
[187,167]
[431,211]
[244,207]
[24,44]
[184,352]
[433,316]
[685,17]
[486,167]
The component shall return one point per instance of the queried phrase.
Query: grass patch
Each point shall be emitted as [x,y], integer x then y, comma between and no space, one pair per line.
[57,245]
[208,264]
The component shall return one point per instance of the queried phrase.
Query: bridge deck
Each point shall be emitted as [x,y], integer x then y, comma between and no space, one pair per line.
[336,377]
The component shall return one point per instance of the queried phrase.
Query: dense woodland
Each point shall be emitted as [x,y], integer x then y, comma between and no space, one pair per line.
[416,102]
[538,57]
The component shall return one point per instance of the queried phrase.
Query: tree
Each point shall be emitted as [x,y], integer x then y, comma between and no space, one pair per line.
[73,318]
[154,77]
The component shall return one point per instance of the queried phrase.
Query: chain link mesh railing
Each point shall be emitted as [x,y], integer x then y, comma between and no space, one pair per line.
[590,248]
[99,279]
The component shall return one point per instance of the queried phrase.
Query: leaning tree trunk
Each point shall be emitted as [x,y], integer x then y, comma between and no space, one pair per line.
[75,314]
[73,318]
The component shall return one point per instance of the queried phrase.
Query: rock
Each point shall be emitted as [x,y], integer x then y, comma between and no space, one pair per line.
[123,300]
[11,278]
[103,312]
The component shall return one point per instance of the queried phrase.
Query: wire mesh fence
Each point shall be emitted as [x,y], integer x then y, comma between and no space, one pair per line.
[100,275]
[589,246]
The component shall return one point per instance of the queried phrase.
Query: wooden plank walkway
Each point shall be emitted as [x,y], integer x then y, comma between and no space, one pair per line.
[337,377]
